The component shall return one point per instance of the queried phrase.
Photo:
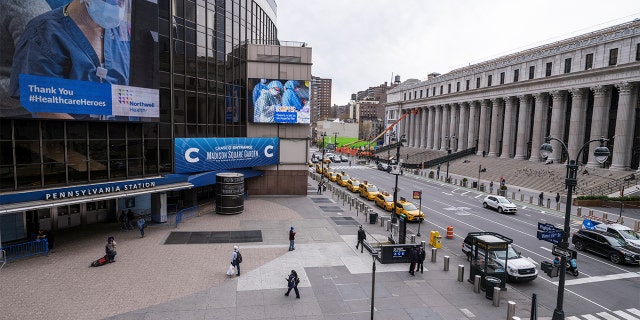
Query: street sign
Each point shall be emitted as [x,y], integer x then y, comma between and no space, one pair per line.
[547,227]
[549,232]
[564,252]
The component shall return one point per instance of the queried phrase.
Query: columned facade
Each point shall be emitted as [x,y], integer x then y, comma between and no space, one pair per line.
[574,90]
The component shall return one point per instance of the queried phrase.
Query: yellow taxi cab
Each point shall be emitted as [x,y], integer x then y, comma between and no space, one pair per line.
[310,163]
[409,209]
[353,185]
[369,191]
[384,201]
[342,179]
[333,176]
[327,172]
[318,167]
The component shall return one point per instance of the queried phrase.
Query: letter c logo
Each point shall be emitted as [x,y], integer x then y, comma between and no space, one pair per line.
[187,155]
[268,151]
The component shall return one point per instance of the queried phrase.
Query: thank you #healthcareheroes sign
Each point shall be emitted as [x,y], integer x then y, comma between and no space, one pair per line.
[55,95]
[209,154]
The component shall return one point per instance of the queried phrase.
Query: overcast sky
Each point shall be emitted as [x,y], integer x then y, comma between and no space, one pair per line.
[362,43]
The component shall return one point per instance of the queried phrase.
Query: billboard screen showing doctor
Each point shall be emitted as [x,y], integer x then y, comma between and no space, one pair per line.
[77,60]
[209,154]
[279,101]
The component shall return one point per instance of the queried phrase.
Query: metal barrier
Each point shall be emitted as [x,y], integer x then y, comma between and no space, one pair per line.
[23,250]
[3,258]
[183,214]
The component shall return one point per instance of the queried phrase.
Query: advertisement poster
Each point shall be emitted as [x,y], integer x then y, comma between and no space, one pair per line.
[210,154]
[279,101]
[80,60]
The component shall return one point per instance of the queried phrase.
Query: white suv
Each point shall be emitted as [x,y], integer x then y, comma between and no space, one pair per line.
[499,203]
[519,268]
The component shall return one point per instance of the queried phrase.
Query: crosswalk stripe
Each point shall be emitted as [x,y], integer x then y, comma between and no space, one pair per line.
[625,315]
[634,311]
[572,318]
[590,317]
[607,316]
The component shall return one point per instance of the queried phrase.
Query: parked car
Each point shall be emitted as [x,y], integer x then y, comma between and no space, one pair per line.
[353,185]
[499,203]
[384,201]
[519,268]
[344,158]
[409,210]
[342,179]
[368,191]
[333,176]
[607,245]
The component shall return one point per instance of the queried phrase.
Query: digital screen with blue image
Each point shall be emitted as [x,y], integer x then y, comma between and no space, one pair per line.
[279,101]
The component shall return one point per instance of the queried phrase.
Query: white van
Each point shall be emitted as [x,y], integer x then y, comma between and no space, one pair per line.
[630,236]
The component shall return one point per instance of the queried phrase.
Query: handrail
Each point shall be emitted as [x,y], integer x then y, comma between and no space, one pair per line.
[449,157]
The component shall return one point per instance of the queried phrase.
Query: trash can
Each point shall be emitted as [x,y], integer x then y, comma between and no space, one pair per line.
[474,184]
[490,283]
[373,218]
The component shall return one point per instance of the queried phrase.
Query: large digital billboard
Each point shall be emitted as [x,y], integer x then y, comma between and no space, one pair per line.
[279,101]
[210,154]
[89,59]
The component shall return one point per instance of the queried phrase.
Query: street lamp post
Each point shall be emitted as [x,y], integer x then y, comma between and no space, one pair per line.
[601,154]
[335,140]
[323,135]
[448,153]
[400,143]
[373,281]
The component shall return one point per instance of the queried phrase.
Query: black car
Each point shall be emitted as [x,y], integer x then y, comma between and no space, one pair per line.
[606,244]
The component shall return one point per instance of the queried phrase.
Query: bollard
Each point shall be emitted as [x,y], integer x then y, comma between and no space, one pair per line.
[513,195]
[636,226]
[412,238]
[605,216]
[522,197]
[548,203]
[511,310]
[558,206]
[434,252]
[515,318]
[460,272]
[496,296]
[389,225]
[382,221]
[621,220]
[446,263]
[590,212]
[423,244]
[579,212]
[530,199]
[476,283]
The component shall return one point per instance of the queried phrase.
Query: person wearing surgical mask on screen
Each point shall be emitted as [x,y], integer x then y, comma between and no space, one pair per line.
[84,40]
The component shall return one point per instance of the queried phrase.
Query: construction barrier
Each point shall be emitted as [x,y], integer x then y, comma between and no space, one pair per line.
[449,232]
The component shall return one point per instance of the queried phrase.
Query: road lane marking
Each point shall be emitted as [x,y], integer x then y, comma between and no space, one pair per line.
[601,278]
[625,315]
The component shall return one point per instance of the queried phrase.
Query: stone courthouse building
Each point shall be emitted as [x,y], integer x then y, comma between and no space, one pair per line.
[574,90]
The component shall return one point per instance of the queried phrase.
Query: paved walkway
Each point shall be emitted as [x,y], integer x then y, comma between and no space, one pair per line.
[151,280]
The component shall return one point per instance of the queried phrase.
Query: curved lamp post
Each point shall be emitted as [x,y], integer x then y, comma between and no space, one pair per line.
[601,154]
[400,143]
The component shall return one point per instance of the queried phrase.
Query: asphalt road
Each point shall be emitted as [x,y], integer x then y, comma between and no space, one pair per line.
[601,286]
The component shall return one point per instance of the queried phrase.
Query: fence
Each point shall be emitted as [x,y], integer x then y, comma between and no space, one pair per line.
[183,214]
[23,250]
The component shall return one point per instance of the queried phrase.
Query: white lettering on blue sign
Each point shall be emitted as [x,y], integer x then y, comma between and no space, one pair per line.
[189,158]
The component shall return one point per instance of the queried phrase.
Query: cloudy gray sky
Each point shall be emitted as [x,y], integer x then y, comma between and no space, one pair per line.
[362,43]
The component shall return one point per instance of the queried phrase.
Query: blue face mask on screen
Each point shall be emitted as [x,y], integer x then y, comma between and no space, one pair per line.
[104,14]
[54,4]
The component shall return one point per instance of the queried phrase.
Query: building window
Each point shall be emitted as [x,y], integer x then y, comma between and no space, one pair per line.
[458,86]
[467,85]
[588,61]
[409,95]
[449,88]
[516,75]
[489,78]
[441,89]
[567,65]
[477,83]
[532,71]
[405,96]
[433,91]
[501,77]
[420,93]
[613,57]
[638,52]
[427,93]
[415,94]
[548,70]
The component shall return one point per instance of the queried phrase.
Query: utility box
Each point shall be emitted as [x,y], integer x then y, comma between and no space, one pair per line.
[373,217]
[435,240]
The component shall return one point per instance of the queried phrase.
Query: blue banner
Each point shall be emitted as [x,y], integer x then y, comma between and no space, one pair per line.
[55,95]
[208,154]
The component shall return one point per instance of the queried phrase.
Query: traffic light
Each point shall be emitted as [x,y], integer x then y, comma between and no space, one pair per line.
[549,268]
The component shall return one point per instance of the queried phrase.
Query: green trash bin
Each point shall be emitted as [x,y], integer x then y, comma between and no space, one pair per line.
[373,218]
[490,283]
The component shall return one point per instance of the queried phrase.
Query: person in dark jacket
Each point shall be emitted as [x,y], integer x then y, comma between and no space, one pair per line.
[361,237]
[413,255]
[292,283]
[421,256]
[292,238]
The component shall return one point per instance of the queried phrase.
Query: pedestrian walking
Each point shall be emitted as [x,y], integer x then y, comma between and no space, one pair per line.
[361,237]
[236,259]
[130,217]
[292,283]
[141,225]
[292,238]
[123,220]
[413,255]
[557,198]
[541,198]
[320,187]
[421,256]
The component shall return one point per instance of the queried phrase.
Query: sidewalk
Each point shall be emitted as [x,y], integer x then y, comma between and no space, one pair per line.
[151,280]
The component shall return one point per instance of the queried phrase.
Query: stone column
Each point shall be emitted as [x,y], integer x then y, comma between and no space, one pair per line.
[446,120]
[408,128]
[473,125]
[423,127]
[496,126]
[522,137]
[625,125]
[509,127]
[558,116]
[576,124]
[463,127]
[453,126]
[540,105]
[438,127]
[483,130]
[415,130]
[599,119]
[430,127]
